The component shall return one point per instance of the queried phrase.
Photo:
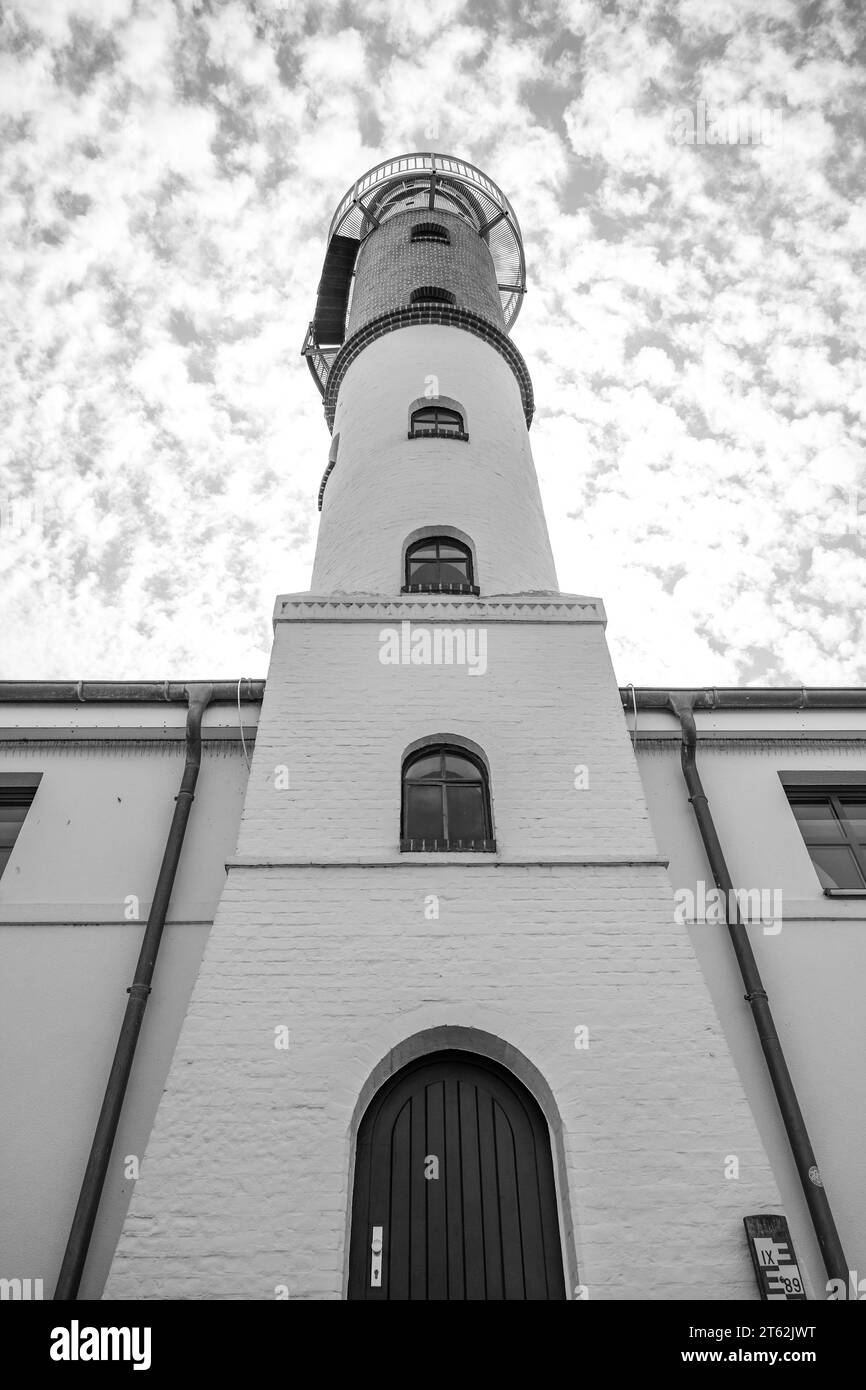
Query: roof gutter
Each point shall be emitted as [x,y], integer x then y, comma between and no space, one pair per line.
[750,697]
[683,705]
[120,692]
[78,1244]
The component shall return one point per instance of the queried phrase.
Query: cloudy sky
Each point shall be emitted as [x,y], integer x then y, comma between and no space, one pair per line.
[695,322]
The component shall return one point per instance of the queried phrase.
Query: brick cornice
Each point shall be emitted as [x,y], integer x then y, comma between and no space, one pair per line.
[374,608]
[443,315]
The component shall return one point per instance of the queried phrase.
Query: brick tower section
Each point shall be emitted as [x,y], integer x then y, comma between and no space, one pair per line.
[391,265]
[335,957]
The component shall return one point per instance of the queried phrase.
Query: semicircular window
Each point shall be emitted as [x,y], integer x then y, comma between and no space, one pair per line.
[437,422]
[439,565]
[446,802]
[430,231]
[431,294]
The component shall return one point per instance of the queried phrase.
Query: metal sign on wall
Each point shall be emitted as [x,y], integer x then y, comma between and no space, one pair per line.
[772,1251]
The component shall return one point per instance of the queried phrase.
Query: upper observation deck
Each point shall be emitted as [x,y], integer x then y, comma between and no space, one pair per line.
[410,182]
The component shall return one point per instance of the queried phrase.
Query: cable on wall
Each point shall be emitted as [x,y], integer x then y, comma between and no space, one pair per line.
[634,726]
[240,724]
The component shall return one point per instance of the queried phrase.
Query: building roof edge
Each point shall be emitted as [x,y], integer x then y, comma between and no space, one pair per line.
[747,697]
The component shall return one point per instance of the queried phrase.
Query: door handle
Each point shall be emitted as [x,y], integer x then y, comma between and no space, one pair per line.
[376,1260]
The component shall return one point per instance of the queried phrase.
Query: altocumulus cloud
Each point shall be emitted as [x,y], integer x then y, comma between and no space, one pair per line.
[694,324]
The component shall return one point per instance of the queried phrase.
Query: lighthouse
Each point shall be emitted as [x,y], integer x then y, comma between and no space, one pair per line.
[448,1039]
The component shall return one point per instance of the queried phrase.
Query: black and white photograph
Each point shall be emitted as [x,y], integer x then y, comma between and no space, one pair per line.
[432,668]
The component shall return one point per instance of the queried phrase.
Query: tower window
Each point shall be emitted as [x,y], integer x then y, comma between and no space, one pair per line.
[439,565]
[436,422]
[446,802]
[430,231]
[16,795]
[431,294]
[832,821]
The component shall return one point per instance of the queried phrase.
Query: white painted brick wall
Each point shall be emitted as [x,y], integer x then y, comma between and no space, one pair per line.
[384,486]
[245,1184]
[340,721]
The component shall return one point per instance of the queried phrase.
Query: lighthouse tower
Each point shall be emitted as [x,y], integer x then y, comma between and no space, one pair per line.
[448,1040]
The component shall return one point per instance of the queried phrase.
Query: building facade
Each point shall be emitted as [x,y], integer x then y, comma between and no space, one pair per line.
[88,780]
[448,1024]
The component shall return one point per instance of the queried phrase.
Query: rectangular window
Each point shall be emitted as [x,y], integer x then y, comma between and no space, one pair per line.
[831,816]
[17,791]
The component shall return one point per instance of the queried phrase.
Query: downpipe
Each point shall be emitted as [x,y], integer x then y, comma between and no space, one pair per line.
[682,704]
[81,1231]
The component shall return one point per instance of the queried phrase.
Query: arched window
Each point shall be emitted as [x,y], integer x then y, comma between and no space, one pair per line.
[430,231]
[439,565]
[436,422]
[431,294]
[446,802]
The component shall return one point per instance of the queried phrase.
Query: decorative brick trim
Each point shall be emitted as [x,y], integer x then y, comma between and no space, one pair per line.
[325,476]
[439,608]
[428,313]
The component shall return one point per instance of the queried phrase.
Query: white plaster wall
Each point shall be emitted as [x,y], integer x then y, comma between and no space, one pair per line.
[94,834]
[813,969]
[96,830]
[62,998]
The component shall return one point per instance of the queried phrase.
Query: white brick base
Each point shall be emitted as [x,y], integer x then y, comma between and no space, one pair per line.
[326,930]
[246,1181]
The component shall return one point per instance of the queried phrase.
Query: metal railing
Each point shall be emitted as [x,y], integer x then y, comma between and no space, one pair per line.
[445,183]
[481,202]
[319,359]
[409,164]
[435,846]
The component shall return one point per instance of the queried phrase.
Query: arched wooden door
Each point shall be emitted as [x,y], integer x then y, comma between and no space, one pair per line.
[454,1195]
